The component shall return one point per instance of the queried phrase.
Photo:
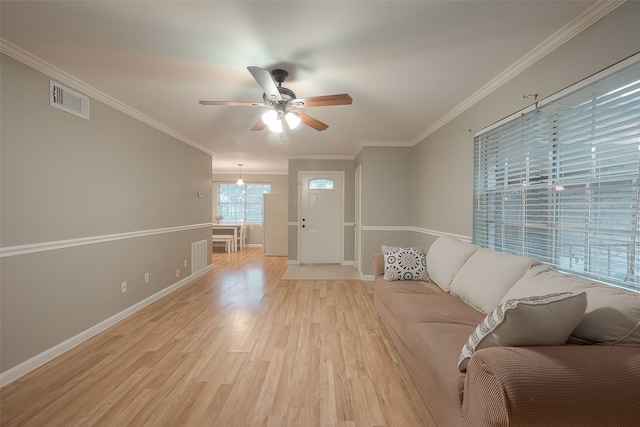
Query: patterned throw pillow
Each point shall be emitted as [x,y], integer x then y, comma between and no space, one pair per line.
[404,264]
[536,320]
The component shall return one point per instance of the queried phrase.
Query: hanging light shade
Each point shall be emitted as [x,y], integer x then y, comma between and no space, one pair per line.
[276,127]
[270,117]
[274,120]
[293,120]
[240,181]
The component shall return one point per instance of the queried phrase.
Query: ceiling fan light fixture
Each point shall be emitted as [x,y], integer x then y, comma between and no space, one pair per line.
[293,120]
[270,117]
[276,126]
[281,100]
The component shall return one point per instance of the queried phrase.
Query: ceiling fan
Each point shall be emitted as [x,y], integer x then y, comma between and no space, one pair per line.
[283,102]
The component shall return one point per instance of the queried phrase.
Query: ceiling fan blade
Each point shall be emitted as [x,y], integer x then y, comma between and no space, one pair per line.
[323,101]
[265,80]
[260,125]
[234,103]
[310,121]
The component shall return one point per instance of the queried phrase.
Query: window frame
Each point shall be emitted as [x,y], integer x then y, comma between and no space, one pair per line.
[551,183]
[320,184]
[248,202]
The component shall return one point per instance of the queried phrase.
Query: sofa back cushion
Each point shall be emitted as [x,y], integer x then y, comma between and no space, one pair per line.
[612,316]
[445,257]
[487,276]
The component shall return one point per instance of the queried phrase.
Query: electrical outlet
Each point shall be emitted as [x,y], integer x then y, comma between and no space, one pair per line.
[123,287]
[185,263]
[177,272]
[146,278]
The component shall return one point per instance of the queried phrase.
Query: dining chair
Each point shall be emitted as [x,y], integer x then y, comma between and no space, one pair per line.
[242,236]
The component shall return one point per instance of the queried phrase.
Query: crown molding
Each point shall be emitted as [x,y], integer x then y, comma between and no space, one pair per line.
[54,72]
[566,33]
[388,143]
[321,157]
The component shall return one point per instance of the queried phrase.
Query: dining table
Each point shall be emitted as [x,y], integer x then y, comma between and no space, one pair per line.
[233,226]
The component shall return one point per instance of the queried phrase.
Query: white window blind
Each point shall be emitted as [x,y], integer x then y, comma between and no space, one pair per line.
[560,183]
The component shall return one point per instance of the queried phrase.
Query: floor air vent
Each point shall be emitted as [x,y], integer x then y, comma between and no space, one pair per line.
[68,100]
[199,254]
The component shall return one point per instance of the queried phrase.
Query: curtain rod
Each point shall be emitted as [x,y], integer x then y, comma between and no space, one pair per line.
[630,60]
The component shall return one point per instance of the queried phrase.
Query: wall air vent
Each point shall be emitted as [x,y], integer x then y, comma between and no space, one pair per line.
[68,100]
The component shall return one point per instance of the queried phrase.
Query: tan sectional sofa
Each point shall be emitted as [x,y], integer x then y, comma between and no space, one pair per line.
[563,384]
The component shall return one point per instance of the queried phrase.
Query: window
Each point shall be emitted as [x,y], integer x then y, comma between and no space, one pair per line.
[239,202]
[320,184]
[560,182]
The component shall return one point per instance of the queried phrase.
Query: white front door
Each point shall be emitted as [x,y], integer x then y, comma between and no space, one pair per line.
[321,217]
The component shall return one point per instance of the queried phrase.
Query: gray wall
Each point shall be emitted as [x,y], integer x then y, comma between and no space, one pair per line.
[64,178]
[443,163]
[386,199]
[437,196]
[387,186]
[348,167]
[255,232]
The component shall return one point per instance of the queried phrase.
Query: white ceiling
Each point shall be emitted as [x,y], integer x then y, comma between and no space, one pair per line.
[407,64]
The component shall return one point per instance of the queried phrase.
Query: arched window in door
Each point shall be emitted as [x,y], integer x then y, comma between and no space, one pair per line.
[320,184]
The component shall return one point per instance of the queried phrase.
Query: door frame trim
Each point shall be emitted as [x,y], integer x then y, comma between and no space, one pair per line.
[341,174]
[357,230]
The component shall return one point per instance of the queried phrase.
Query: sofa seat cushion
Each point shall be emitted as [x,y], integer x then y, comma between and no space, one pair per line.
[424,348]
[612,315]
[438,345]
[487,276]
[407,287]
[445,257]
[421,304]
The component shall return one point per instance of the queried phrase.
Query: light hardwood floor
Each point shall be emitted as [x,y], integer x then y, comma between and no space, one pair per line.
[236,347]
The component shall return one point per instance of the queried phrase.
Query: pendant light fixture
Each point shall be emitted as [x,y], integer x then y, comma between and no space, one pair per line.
[240,181]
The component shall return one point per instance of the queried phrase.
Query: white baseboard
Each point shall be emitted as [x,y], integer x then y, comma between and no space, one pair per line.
[47,355]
